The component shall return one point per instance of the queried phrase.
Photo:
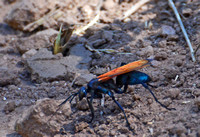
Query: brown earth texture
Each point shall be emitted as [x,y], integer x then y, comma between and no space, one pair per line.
[33,81]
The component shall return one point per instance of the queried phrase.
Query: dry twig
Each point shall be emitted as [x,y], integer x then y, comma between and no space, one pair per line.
[171,4]
[134,8]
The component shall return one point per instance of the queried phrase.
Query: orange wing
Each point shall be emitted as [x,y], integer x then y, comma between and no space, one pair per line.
[125,69]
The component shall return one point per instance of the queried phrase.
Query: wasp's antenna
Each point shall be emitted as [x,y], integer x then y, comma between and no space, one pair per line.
[59,106]
[73,95]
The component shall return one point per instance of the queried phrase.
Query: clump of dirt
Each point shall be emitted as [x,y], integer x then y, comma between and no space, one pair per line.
[33,81]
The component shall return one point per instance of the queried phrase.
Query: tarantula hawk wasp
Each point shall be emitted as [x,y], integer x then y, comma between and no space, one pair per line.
[104,84]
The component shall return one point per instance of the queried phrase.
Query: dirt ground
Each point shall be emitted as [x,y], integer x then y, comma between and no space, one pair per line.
[33,81]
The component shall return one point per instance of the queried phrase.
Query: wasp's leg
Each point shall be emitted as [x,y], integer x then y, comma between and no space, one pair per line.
[123,80]
[113,98]
[125,88]
[73,97]
[89,100]
[110,85]
[151,85]
[128,79]
[102,103]
[146,86]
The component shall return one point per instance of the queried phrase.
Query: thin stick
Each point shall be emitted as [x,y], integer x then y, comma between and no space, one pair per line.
[134,8]
[171,4]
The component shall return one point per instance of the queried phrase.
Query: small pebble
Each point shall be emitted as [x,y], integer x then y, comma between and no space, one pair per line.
[168,30]
[173,93]
[162,44]
[83,105]
[9,107]
[4,98]
[178,62]
[187,12]
[80,126]
[161,56]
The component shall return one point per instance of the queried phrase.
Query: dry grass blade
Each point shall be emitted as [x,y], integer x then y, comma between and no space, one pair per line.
[91,23]
[196,49]
[134,8]
[107,51]
[56,13]
[79,31]
[171,4]
[63,37]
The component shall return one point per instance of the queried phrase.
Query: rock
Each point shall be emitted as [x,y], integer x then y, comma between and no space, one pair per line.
[164,14]
[107,35]
[98,43]
[84,79]
[36,41]
[127,48]
[162,43]
[173,93]
[103,133]
[83,105]
[95,36]
[8,77]
[130,25]
[3,42]
[135,96]
[187,12]
[171,73]
[99,71]
[167,30]
[198,70]
[52,92]
[161,56]
[177,129]
[123,129]
[178,62]
[112,132]
[44,66]
[9,107]
[25,12]
[80,52]
[87,11]
[146,43]
[172,37]
[80,126]
[146,52]
[38,121]
[109,4]
[29,53]
[197,91]
[6,30]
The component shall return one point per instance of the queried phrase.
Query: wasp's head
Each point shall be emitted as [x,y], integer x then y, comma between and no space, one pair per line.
[82,93]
